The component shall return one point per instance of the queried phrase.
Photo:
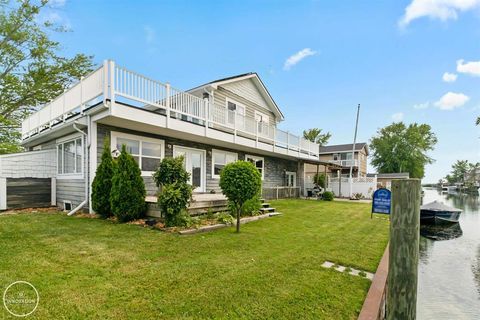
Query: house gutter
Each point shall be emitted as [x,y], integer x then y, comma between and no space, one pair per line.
[87,153]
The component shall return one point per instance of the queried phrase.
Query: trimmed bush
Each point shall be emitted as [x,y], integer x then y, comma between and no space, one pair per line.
[175,192]
[240,181]
[102,183]
[328,196]
[127,198]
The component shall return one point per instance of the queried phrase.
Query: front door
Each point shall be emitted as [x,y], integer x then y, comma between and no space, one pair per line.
[194,162]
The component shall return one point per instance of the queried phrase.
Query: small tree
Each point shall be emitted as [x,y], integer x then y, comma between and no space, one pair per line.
[175,192]
[240,181]
[319,179]
[127,198]
[102,183]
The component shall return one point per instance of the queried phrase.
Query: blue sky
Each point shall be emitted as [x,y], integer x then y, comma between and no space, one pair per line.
[389,56]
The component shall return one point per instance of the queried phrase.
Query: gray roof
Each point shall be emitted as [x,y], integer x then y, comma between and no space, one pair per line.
[343,147]
[396,175]
[438,206]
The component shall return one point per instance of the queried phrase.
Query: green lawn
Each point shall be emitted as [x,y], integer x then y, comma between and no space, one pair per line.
[89,268]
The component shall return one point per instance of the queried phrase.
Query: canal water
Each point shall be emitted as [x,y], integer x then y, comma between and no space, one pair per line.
[449,264]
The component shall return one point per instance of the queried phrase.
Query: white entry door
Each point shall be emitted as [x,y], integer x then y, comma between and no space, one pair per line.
[194,162]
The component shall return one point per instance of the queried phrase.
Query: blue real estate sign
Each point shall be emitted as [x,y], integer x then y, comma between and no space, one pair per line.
[382,200]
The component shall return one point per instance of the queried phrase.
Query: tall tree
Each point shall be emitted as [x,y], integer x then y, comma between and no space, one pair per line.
[401,148]
[32,69]
[478,121]
[459,170]
[316,135]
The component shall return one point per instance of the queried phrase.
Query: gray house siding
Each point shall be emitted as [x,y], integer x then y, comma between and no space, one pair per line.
[67,189]
[274,167]
[220,99]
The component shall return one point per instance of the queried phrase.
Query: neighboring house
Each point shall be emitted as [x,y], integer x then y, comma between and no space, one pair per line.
[340,158]
[384,180]
[211,125]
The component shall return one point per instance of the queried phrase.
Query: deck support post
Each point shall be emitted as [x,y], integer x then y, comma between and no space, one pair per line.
[403,250]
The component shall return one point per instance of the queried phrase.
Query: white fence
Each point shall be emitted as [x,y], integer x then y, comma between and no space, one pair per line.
[363,185]
[33,164]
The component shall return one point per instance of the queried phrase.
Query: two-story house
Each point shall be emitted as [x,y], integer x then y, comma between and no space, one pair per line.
[341,154]
[211,125]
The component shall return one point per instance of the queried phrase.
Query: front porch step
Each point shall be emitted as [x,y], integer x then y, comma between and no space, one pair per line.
[267,210]
[265,205]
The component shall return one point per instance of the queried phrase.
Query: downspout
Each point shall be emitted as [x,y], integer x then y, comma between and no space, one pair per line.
[87,153]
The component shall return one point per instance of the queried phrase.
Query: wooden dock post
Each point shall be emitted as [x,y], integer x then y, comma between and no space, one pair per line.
[404,242]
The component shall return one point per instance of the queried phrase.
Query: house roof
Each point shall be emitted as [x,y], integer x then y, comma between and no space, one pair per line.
[343,147]
[256,80]
[396,175]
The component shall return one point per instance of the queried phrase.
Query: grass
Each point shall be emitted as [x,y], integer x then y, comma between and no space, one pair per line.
[90,268]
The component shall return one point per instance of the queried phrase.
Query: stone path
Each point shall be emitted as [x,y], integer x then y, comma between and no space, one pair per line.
[353,272]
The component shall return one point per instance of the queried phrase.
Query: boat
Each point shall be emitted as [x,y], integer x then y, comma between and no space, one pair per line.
[441,232]
[438,213]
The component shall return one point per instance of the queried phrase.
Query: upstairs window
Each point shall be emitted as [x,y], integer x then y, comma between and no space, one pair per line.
[70,157]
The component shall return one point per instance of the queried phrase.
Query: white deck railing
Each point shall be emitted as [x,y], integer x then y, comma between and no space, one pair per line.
[345,163]
[117,84]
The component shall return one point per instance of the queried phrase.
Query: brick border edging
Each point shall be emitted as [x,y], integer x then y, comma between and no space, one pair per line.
[221,225]
[374,304]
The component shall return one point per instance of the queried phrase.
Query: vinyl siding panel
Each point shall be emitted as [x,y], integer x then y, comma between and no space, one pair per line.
[220,99]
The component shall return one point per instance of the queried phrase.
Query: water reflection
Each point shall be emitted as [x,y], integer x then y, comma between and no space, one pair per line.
[441,232]
[449,264]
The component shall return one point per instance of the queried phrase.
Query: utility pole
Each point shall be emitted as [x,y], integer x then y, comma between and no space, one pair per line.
[352,161]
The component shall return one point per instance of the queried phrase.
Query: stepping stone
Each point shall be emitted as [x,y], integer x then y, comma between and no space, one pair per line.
[328,264]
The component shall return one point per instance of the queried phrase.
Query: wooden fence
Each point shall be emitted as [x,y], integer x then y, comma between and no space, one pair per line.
[16,193]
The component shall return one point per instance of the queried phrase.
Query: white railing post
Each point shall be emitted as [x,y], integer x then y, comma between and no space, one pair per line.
[112,82]
[105,81]
[167,102]
[206,106]
[82,105]
[274,138]
[288,142]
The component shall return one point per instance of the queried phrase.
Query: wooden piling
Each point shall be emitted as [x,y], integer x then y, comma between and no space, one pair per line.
[404,241]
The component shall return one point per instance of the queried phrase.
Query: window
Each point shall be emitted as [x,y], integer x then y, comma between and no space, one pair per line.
[235,113]
[70,157]
[291,178]
[258,162]
[220,159]
[147,152]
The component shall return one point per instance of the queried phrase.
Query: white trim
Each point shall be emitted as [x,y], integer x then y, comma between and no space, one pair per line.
[257,158]
[216,176]
[113,146]
[92,158]
[53,192]
[203,178]
[3,193]
[294,174]
[72,175]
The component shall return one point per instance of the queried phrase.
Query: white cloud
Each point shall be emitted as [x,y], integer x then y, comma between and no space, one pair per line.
[451,100]
[424,105]
[297,57]
[472,68]
[149,34]
[436,9]
[449,77]
[57,3]
[397,117]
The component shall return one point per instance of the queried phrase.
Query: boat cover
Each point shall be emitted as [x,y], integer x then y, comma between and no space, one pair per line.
[438,206]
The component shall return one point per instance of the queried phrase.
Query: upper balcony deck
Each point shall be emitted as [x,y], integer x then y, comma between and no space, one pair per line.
[118,88]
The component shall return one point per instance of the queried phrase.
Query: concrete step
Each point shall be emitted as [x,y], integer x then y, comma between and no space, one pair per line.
[267,210]
[262,200]
[265,205]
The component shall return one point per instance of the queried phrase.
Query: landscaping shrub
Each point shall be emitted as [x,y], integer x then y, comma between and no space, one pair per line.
[102,183]
[327,196]
[175,192]
[225,218]
[127,197]
[319,179]
[240,181]
[251,207]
